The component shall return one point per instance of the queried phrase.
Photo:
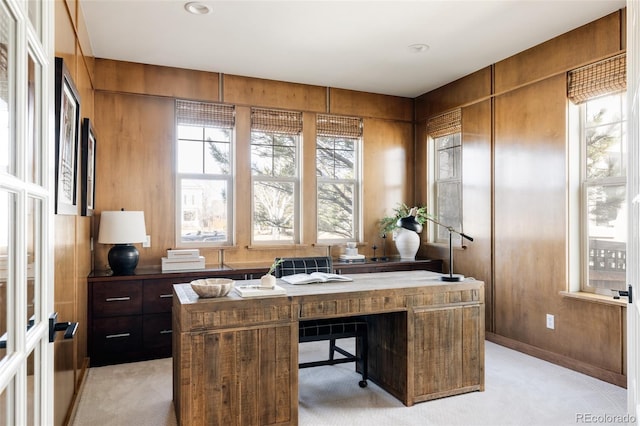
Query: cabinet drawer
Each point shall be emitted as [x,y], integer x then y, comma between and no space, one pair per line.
[157,296]
[117,298]
[156,331]
[117,334]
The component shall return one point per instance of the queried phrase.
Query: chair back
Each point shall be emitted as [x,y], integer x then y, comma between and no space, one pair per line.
[303,265]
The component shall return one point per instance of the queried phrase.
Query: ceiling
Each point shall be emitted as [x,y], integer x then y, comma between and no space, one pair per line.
[358,45]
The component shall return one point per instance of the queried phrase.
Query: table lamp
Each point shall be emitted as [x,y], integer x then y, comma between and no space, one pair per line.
[122,228]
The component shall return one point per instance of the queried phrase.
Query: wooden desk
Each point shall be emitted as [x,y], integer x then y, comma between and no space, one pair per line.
[235,361]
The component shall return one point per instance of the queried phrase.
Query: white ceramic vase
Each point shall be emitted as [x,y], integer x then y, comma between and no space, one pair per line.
[407,243]
[267,281]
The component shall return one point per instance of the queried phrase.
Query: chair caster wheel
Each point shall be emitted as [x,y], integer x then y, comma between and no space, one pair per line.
[362,383]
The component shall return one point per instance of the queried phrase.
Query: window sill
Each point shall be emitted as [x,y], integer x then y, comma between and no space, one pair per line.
[274,246]
[594,298]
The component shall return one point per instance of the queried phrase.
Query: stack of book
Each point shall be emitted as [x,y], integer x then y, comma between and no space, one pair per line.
[180,260]
[352,258]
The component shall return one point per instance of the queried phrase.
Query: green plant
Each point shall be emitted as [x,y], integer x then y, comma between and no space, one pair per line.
[389,223]
[274,265]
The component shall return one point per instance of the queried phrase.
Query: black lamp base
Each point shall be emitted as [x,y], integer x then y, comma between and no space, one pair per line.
[123,259]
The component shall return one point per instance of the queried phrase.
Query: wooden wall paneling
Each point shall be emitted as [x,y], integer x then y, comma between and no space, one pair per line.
[530,211]
[135,167]
[84,85]
[83,269]
[421,159]
[388,176]
[583,45]
[243,189]
[468,89]
[580,323]
[83,36]
[65,305]
[362,104]
[273,94]
[72,6]
[130,77]
[475,259]
[309,182]
[65,39]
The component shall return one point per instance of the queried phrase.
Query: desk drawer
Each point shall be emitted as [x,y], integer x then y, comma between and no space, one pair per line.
[157,296]
[117,298]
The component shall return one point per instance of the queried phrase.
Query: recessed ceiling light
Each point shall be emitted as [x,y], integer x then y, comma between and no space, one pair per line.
[197,8]
[418,48]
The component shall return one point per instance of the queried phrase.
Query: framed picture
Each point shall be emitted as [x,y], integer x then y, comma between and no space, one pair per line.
[67,116]
[88,169]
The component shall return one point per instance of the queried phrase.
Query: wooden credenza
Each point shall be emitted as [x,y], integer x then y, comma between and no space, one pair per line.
[235,360]
[129,317]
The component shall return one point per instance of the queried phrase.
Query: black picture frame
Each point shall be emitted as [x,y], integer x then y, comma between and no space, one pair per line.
[88,169]
[67,119]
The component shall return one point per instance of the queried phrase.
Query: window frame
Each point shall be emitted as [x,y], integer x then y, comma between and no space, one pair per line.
[294,179]
[356,181]
[584,184]
[228,178]
[433,185]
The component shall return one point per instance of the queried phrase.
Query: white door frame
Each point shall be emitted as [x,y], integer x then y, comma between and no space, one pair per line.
[633,185]
[26,384]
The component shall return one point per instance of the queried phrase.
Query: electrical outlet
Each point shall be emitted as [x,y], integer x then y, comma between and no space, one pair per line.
[551,322]
[147,243]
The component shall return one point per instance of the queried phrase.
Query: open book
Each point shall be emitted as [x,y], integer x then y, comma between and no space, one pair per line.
[314,277]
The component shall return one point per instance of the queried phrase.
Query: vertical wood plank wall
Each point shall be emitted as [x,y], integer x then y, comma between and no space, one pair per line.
[135,165]
[72,253]
[514,131]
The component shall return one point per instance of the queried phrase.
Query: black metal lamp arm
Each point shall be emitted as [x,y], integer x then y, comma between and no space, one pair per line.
[451,232]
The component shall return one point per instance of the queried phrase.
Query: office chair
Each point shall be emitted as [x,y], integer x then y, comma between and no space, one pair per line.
[331,328]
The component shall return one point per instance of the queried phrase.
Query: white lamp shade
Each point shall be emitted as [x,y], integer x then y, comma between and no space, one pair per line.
[122,227]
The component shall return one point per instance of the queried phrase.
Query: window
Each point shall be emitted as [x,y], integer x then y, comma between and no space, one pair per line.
[338,174]
[446,133]
[275,138]
[204,173]
[604,191]
[601,201]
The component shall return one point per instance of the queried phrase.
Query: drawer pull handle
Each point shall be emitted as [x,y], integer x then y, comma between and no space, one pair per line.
[117,299]
[166,331]
[165,296]
[116,336]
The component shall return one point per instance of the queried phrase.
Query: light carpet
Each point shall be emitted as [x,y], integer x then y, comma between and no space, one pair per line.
[519,390]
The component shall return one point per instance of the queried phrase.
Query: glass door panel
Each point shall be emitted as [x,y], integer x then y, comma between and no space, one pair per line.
[34,150]
[7,264]
[7,91]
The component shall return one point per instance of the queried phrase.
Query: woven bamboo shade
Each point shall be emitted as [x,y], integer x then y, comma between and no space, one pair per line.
[271,120]
[445,124]
[600,78]
[338,126]
[205,114]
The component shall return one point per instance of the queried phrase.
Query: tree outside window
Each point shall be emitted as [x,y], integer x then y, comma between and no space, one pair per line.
[337,171]
[204,173]
[604,191]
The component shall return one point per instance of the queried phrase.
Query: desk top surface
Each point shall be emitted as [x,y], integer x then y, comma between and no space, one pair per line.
[378,281]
